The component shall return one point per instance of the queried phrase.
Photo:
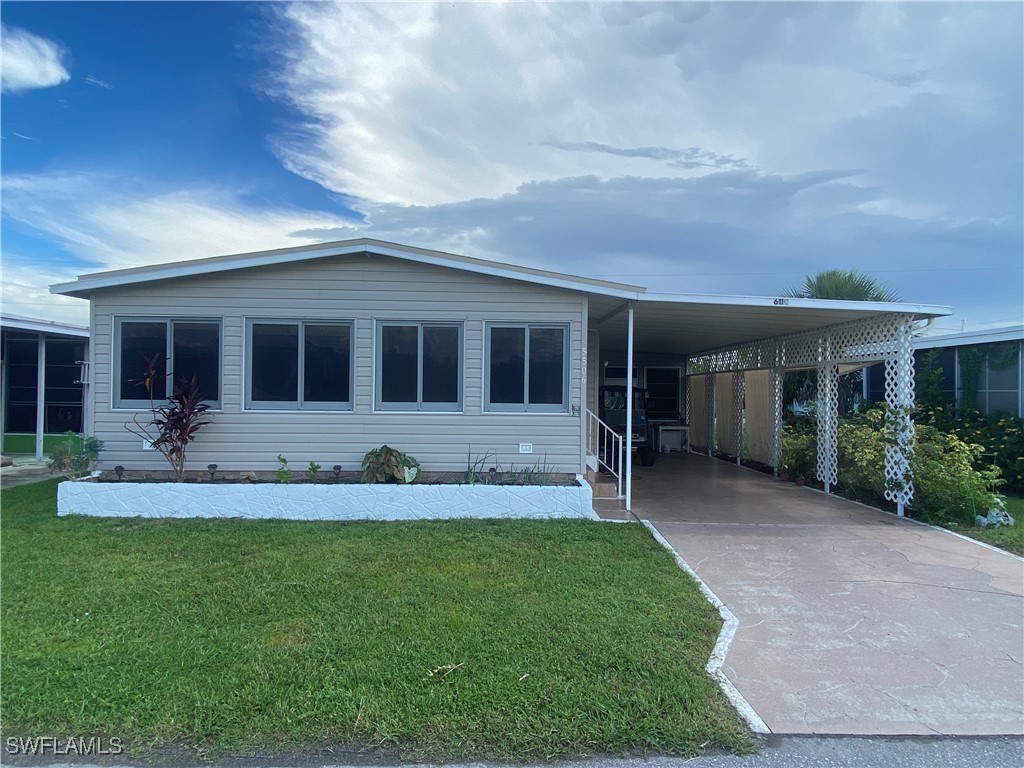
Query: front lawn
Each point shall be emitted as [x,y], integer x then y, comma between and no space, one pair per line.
[442,640]
[1010,538]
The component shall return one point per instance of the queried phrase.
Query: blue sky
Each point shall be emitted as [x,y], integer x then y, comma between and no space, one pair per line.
[730,148]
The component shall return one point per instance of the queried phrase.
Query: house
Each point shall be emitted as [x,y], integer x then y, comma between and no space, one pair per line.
[323,352]
[983,367]
[42,370]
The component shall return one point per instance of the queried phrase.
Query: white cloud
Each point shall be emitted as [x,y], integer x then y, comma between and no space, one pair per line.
[29,61]
[108,223]
[727,147]
[24,290]
[427,104]
[95,81]
[731,232]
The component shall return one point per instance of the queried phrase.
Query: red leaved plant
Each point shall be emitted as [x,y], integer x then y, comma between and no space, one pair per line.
[174,424]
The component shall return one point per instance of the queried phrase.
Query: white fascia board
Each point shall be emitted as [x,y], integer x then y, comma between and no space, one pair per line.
[43,326]
[989,336]
[188,269]
[872,307]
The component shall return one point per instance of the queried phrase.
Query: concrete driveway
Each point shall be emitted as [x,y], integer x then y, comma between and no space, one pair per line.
[852,621]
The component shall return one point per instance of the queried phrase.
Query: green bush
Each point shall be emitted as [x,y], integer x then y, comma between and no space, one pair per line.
[861,470]
[76,456]
[952,483]
[800,450]
[1000,435]
[947,486]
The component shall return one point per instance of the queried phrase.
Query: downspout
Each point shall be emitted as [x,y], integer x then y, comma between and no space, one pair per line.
[628,459]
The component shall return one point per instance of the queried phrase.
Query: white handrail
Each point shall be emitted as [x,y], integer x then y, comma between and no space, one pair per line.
[605,444]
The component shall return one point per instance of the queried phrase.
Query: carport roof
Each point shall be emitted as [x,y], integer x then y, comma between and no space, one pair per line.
[689,324]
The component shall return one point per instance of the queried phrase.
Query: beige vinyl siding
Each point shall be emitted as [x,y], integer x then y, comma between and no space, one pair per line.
[363,290]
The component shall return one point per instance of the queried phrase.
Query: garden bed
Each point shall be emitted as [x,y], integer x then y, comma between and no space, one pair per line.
[256,497]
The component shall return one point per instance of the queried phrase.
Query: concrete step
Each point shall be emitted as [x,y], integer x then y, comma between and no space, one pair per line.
[604,486]
[611,509]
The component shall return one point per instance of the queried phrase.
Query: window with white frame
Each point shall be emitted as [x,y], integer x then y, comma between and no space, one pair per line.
[527,367]
[419,366]
[299,364]
[151,355]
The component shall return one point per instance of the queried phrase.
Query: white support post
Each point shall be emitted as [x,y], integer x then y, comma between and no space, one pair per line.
[828,423]
[40,394]
[776,448]
[688,416]
[899,426]
[709,412]
[628,459]
[738,394]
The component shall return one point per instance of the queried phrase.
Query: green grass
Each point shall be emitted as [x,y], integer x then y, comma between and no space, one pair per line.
[1010,538]
[565,637]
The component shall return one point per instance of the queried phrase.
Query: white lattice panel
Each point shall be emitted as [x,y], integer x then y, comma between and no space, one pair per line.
[884,338]
[828,423]
[709,413]
[859,341]
[776,418]
[738,395]
[899,426]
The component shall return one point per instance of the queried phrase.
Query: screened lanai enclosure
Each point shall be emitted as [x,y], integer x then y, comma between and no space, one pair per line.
[731,354]
[42,370]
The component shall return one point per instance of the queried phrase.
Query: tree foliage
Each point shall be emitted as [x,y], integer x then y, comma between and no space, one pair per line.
[842,284]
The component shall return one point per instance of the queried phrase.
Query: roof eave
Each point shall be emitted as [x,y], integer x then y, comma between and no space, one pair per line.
[922,311]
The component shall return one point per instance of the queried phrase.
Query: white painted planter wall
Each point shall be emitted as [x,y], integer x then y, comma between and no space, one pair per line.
[324,502]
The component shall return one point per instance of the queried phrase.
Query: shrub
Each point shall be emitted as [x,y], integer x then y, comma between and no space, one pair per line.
[948,486]
[861,470]
[75,457]
[174,424]
[952,483]
[800,450]
[1000,435]
[386,465]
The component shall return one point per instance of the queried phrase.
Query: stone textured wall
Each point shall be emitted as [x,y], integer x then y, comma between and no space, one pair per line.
[323,502]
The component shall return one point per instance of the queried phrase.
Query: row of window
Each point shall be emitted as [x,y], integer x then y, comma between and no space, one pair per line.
[308,364]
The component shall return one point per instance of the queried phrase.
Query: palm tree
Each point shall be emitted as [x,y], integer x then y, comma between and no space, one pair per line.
[849,285]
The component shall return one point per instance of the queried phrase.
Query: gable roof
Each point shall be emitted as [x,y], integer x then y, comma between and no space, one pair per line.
[86,284]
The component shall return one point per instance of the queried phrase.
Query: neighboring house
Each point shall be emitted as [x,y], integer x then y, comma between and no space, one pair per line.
[996,353]
[41,375]
[321,353]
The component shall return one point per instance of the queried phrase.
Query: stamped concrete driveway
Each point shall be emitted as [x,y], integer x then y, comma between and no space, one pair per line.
[851,621]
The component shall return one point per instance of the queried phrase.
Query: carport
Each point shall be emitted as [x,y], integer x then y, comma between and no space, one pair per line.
[732,352]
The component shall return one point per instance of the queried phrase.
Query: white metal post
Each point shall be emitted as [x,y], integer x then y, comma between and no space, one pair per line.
[40,394]
[629,408]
